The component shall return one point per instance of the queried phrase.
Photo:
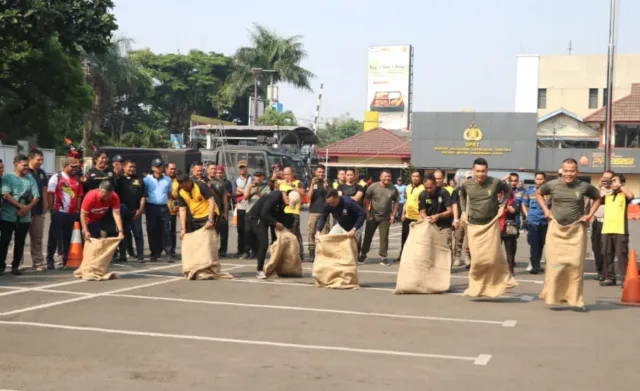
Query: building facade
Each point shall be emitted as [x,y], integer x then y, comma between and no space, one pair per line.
[576,83]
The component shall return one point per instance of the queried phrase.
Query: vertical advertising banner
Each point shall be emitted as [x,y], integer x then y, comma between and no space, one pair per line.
[389,85]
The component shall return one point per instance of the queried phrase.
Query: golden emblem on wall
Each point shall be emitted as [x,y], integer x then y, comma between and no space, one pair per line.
[473,132]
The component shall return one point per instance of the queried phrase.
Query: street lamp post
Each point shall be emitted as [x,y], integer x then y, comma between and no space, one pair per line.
[256,74]
[609,110]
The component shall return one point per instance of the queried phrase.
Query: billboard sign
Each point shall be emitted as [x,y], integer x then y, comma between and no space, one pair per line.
[453,140]
[389,85]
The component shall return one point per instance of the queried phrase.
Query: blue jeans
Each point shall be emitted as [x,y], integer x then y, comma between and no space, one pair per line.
[537,234]
[60,232]
[158,229]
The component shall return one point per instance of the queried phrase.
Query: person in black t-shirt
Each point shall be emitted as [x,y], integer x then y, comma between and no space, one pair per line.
[460,228]
[435,207]
[317,196]
[99,172]
[222,225]
[130,189]
[351,188]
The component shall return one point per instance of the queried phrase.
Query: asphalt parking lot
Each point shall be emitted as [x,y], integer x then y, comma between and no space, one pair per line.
[152,330]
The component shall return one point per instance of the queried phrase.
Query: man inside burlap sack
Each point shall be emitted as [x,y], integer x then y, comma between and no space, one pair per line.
[269,212]
[346,212]
[197,205]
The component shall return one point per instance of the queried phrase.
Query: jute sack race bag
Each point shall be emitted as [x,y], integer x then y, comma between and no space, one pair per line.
[425,266]
[96,257]
[565,252]
[285,256]
[200,256]
[335,264]
[489,275]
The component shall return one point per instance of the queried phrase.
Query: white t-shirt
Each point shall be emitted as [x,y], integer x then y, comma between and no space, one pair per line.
[241,184]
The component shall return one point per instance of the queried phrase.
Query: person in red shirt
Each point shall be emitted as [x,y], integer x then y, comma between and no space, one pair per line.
[95,206]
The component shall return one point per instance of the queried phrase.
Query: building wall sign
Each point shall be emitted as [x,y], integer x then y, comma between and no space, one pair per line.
[624,161]
[454,140]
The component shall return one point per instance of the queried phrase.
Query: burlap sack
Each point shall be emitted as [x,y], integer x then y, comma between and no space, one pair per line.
[200,256]
[565,253]
[489,275]
[285,256]
[335,263]
[96,257]
[425,266]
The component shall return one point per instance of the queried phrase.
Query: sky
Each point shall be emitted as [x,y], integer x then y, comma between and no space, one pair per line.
[465,50]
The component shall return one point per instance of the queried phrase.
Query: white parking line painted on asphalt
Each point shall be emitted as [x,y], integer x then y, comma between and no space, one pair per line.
[57,285]
[482,359]
[57,303]
[461,277]
[311,309]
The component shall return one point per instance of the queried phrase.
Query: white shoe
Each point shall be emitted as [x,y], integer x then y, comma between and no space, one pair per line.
[529,268]
[457,262]
[261,275]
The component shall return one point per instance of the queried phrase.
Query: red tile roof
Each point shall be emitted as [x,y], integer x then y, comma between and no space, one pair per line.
[626,109]
[378,142]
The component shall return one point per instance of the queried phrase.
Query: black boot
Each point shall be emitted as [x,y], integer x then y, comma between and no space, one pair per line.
[312,254]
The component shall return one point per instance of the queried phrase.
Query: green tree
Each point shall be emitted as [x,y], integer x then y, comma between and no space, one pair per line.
[270,51]
[195,83]
[120,87]
[339,129]
[273,118]
[42,91]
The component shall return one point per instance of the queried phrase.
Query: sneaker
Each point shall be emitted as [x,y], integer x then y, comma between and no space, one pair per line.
[51,267]
[15,271]
[154,258]
[468,266]
[362,259]
[141,260]
[530,267]
[243,257]
[385,262]
[41,268]
[457,262]
[608,283]
[222,255]
[172,259]
[261,275]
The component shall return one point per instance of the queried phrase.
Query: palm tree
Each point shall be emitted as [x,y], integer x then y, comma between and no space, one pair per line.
[271,51]
[106,72]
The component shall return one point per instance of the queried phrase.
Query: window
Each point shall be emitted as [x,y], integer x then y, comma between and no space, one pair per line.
[593,98]
[627,136]
[605,97]
[256,160]
[542,98]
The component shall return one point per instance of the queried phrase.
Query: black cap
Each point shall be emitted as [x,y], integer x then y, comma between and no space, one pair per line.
[258,173]
[117,159]
[157,163]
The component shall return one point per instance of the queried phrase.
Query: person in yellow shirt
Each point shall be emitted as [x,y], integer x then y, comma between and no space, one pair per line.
[197,206]
[172,171]
[615,230]
[290,183]
[411,211]
[342,178]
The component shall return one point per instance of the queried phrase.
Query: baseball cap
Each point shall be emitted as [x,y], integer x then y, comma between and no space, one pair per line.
[117,159]
[258,173]
[157,163]
[294,199]
[219,168]
[242,163]
[560,171]
[468,174]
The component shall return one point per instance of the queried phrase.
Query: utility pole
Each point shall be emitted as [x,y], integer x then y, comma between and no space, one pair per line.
[256,74]
[570,49]
[609,110]
[85,131]
[317,118]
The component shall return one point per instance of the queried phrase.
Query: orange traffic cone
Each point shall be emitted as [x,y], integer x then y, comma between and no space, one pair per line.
[74,258]
[234,220]
[631,291]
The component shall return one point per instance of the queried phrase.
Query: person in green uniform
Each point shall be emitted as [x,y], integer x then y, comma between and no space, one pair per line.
[479,196]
